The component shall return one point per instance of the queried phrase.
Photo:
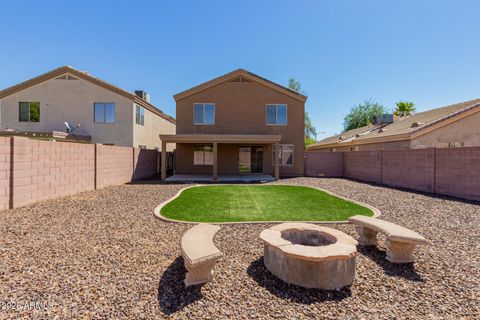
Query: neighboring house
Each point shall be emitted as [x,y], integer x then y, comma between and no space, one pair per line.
[451,126]
[104,113]
[235,123]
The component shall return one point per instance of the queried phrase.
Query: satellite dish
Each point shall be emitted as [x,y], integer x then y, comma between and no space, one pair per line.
[68,127]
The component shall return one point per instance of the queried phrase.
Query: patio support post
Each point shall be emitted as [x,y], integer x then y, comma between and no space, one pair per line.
[164,160]
[215,161]
[277,168]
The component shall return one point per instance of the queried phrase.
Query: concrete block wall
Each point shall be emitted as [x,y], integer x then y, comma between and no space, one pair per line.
[412,169]
[324,164]
[5,172]
[446,171]
[363,165]
[33,170]
[142,164]
[114,165]
[47,169]
[457,172]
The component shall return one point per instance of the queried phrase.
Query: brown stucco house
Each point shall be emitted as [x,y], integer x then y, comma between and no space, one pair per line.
[451,126]
[94,109]
[234,124]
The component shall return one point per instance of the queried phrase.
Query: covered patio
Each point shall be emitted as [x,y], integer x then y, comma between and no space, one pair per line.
[243,178]
[214,140]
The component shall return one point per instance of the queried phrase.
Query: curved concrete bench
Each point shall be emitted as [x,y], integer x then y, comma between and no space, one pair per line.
[401,242]
[199,253]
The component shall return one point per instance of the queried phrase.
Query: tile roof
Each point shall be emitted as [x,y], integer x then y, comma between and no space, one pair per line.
[84,75]
[407,125]
[240,72]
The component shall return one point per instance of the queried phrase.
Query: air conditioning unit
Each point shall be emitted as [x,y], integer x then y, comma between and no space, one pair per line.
[383,119]
[143,94]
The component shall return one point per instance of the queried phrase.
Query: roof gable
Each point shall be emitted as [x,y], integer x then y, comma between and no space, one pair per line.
[240,75]
[83,75]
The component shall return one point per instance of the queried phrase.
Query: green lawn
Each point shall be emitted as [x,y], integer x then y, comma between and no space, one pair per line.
[259,203]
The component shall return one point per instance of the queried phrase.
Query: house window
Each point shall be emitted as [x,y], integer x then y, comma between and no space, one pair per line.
[276,114]
[140,116]
[203,155]
[104,112]
[285,156]
[29,111]
[203,113]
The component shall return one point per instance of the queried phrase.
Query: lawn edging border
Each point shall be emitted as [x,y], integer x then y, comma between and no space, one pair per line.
[156,211]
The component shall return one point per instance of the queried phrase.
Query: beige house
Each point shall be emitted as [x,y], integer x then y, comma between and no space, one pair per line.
[234,124]
[456,125]
[93,108]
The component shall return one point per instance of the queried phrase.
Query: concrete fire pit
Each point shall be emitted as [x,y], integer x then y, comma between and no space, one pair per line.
[310,256]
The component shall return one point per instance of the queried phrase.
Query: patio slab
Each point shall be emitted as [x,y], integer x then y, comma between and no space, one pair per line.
[243,178]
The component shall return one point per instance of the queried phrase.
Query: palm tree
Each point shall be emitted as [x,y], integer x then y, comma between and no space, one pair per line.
[404,108]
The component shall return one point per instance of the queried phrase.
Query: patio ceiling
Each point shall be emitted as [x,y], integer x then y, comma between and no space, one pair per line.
[220,138]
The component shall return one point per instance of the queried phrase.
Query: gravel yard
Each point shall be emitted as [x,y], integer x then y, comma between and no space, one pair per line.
[102,254]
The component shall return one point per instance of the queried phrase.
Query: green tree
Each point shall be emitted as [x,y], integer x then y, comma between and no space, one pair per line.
[294,85]
[404,108]
[310,130]
[362,115]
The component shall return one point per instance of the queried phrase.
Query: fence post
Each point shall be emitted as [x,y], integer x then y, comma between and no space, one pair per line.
[95,165]
[11,175]
[381,166]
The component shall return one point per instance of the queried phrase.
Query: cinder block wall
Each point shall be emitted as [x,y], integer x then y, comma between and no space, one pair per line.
[34,170]
[457,172]
[324,164]
[5,172]
[363,165]
[143,162]
[46,169]
[412,169]
[114,165]
[453,171]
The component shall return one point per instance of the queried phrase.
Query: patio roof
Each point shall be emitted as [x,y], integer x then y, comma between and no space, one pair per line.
[220,138]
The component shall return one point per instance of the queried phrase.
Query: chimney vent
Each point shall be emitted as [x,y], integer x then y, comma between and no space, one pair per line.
[417,124]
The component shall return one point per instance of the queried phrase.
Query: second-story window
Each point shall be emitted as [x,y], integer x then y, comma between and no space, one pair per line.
[140,116]
[203,113]
[29,111]
[104,112]
[276,114]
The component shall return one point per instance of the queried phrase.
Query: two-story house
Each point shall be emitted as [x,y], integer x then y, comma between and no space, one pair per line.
[66,99]
[239,123]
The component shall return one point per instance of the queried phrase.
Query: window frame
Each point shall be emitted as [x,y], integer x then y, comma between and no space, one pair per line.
[276,114]
[141,115]
[29,109]
[203,146]
[105,112]
[204,104]
[280,160]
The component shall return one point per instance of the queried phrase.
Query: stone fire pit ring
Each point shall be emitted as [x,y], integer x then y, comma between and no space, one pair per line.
[310,256]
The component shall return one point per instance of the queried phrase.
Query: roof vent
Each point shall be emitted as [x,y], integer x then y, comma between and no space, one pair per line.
[240,79]
[416,124]
[381,130]
[383,119]
[66,77]
[142,94]
[341,137]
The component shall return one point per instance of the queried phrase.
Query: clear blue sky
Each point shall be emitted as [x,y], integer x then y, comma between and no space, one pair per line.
[342,52]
